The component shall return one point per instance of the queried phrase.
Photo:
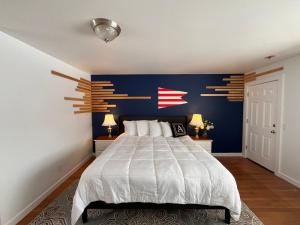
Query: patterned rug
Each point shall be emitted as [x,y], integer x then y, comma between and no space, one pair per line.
[59,213]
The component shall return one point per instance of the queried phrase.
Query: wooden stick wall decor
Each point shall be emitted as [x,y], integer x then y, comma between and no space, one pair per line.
[234,87]
[233,90]
[252,76]
[94,94]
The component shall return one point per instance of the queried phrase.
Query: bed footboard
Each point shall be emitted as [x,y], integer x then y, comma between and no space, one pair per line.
[140,205]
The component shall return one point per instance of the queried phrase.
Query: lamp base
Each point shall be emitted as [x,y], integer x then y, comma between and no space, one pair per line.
[109,132]
[197,132]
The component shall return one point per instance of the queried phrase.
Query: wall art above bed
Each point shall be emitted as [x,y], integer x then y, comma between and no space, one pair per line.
[233,88]
[96,95]
[168,98]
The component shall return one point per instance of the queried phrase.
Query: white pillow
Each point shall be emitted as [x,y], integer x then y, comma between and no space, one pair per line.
[155,129]
[166,129]
[130,128]
[142,127]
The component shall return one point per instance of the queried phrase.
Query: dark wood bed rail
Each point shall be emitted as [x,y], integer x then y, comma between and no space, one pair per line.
[140,205]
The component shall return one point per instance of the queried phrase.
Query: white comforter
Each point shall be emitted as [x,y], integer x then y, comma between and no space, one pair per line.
[158,170]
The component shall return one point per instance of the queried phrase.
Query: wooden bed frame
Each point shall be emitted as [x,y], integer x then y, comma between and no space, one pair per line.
[140,205]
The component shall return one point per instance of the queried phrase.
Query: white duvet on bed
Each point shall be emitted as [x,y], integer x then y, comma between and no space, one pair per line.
[157,170]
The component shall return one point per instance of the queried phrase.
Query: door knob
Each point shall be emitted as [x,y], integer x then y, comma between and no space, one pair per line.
[273,131]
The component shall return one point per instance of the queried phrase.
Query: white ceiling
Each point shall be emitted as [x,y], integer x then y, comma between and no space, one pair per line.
[159,36]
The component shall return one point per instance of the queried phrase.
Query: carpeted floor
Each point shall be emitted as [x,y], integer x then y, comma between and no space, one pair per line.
[59,213]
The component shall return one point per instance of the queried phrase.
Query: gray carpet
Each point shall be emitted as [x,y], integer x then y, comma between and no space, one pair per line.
[59,213]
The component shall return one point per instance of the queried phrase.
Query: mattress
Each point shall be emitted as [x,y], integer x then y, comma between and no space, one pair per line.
[156,170]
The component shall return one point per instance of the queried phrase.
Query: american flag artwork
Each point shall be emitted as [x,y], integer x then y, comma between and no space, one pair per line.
[169,98]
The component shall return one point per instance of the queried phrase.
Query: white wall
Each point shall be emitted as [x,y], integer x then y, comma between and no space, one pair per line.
[41,139]
[290,149]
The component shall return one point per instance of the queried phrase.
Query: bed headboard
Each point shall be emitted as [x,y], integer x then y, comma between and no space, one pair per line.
[170,119]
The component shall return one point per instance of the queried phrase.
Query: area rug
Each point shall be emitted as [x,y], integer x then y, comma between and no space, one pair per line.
[59,213]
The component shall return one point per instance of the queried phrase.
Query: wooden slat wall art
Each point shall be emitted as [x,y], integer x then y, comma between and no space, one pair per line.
[94,94]
[233,90]
[252,76]
[234,87]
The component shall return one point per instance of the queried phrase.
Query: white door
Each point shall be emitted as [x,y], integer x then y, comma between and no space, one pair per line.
[262,100]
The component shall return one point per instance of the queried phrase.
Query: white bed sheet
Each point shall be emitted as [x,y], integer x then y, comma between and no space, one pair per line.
[157,170]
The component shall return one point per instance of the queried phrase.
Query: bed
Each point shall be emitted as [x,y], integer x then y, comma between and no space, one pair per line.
[156,172]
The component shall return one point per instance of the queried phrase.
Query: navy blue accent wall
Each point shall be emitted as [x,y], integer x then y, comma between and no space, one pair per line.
[227,116]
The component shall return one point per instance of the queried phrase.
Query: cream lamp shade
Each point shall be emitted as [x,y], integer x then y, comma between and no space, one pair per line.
[109,120]
[197,121]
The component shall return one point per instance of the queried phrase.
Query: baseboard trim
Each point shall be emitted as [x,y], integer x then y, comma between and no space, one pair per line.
[40,198]
[237,154]
[288,179]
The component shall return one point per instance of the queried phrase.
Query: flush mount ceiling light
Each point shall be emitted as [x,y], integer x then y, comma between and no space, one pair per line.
[105,29]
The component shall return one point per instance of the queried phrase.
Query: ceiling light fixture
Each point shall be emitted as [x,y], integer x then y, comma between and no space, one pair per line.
[105,29]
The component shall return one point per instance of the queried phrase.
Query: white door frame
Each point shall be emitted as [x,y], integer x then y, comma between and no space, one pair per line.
[278,76]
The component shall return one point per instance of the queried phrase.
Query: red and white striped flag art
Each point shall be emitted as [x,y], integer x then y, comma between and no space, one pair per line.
[169,97]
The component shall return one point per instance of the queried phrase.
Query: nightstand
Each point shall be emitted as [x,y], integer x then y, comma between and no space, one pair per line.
[101,143]
[204,142]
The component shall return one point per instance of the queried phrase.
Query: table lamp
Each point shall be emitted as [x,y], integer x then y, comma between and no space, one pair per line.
[198,123]
[108,122]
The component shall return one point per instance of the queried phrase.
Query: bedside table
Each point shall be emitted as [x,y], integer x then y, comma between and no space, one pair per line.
[101,143]
[204,142]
